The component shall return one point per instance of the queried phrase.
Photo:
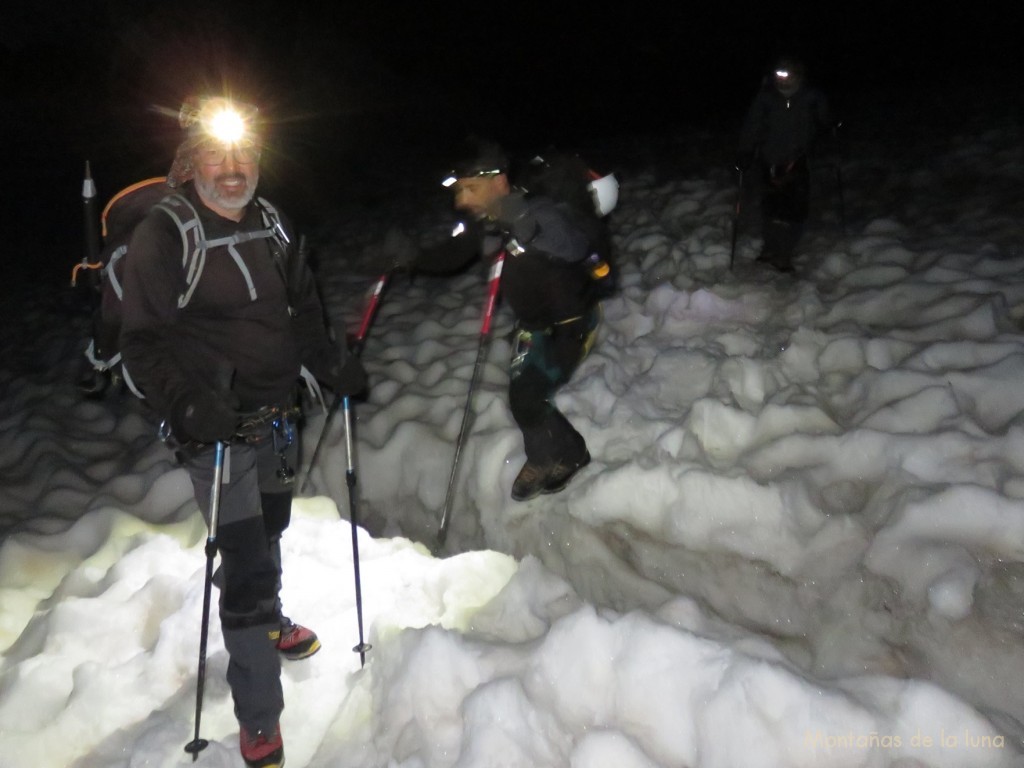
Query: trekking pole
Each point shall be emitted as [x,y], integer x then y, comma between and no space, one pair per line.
[837,168]
[357,349]
[481,354]
[197,745]
[842,203]
[353,518]
[736,218]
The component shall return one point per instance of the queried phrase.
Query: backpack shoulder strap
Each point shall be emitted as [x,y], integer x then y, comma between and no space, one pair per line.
[193,240]
[195,244]
[272,220]
[279,242]
[111,269]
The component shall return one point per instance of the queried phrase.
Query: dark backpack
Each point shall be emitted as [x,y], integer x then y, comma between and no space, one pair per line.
[118,221]
[587,197]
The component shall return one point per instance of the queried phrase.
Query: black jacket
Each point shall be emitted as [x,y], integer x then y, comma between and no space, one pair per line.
[261,333]
[784,128]
[543,277]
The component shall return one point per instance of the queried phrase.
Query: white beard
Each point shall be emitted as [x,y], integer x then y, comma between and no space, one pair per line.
[208,190]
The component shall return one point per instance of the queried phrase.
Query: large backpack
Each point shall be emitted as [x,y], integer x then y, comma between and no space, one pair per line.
[587,197]
[118,221]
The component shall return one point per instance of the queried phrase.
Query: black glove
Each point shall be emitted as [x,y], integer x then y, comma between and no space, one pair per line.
[511,213]
[204,416]
[744,160]
[400,251]
[346,377]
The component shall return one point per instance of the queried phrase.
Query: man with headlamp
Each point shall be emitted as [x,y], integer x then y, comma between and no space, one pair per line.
[217,344]
[545,281]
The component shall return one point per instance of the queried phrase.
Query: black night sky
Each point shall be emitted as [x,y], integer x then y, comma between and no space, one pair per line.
[361,92]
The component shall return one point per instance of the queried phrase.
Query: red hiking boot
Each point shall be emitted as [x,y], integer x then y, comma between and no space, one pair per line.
[261,749]
[295,641]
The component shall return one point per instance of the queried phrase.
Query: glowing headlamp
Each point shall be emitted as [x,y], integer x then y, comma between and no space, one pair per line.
[782,74]
[453,177]
[226,125]
[218,118]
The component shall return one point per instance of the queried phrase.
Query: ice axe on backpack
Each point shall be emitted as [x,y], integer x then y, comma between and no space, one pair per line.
[91,252]
[92,382]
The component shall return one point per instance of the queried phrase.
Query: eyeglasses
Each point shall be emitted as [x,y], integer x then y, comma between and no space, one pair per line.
[244,152]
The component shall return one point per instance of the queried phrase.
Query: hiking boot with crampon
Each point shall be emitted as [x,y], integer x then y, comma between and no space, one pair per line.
[295,641]
[529,482]
[261,749]
[562,473]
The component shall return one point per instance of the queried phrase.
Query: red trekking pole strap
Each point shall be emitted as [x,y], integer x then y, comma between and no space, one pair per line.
[494,282]
[371,307]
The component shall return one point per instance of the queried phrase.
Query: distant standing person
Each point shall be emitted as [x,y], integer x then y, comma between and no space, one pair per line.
[217,346]
[779,132]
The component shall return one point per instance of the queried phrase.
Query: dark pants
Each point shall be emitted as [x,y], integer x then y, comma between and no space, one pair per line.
[255,508]
[785,202]
[542,361]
